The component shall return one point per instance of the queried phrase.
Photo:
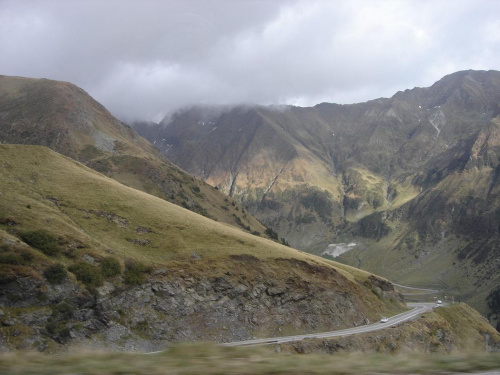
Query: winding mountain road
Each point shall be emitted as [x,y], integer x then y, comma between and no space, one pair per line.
[417,309]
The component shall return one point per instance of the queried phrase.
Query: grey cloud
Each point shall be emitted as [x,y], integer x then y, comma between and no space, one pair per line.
[143,59]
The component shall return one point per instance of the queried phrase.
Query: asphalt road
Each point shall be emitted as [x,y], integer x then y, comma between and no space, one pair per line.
[417,309]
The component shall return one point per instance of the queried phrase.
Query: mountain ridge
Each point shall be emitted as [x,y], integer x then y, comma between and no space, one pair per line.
[65,118]
[335,173]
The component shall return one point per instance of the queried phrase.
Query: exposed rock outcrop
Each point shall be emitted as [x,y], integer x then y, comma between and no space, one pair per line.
[168,309]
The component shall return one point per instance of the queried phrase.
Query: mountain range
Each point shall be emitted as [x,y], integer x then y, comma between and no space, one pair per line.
[105,243]
[406,187]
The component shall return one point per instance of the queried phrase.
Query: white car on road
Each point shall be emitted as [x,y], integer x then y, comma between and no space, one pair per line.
[384,320]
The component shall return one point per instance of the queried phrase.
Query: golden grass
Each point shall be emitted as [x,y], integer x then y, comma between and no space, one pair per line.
[102,142]
[79,204]
[406,192]
[11,85]
[471,323]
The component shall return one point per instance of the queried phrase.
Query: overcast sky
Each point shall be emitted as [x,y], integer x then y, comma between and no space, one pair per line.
[142,59]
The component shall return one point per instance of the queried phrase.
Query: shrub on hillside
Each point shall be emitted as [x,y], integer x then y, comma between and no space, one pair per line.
[110,267]
[11,258]
[41,240]
[9,255]
[57,324]
[26,255]
[87,273]
[272,234]
[55,274]
[135,272]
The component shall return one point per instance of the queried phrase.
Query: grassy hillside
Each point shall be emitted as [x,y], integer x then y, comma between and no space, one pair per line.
[42,189]
[448,236]
[99,255]
[65,118]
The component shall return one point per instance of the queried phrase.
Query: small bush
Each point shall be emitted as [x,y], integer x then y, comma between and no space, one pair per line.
[57,324]
[26,255]
[135,272]
[41,240]
[87,273]
[284,242]
[110,267]
[64,311]
[9,255]
[11,258]
[272,234]
[55,274]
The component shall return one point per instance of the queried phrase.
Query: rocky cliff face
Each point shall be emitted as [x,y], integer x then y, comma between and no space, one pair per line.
[167,309]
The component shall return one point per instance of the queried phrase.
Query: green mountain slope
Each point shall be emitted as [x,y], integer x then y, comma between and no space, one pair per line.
[400,179]
[85,259]
[448,236]
[65,118]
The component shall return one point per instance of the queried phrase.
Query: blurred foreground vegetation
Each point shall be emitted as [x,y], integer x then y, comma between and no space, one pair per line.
[209,359]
